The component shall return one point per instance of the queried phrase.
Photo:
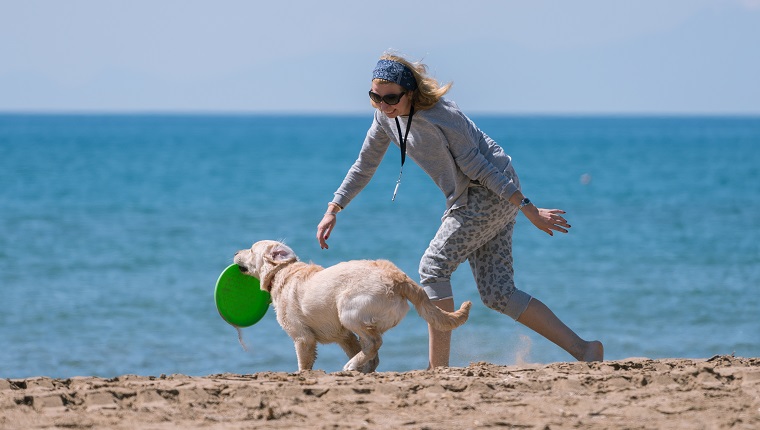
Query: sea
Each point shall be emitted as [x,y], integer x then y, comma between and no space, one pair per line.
[114,229]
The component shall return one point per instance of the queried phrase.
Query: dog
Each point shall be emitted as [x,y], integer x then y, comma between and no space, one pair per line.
[351,303]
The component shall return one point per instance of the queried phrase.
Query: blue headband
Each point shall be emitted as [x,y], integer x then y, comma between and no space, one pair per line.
[393,71]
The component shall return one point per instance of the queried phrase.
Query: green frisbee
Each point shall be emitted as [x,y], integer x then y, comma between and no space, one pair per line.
[239,298]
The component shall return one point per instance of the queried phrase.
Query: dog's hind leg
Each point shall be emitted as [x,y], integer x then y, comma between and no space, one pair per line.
[366,360]
[306,351]
[350,344]
[371,365]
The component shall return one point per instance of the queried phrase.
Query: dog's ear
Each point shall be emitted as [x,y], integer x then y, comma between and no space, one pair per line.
[279,254]
[276,256]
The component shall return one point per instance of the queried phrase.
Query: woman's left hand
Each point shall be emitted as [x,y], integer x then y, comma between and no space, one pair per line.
[546,220]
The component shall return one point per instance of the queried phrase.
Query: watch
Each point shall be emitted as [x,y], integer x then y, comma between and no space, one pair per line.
[524,202]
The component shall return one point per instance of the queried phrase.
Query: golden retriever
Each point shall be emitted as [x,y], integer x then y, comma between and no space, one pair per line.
[351,303]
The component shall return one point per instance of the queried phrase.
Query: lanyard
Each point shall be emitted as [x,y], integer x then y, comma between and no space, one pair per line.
[402,144]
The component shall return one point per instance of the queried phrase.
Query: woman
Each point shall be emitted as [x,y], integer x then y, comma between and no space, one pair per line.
[482,193]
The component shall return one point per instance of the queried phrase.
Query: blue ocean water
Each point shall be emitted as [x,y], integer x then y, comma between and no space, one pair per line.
[114,229]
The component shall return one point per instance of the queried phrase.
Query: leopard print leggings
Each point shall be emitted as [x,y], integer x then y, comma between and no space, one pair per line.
[480,232]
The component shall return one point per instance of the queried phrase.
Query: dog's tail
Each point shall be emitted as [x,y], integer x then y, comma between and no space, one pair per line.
[436,317]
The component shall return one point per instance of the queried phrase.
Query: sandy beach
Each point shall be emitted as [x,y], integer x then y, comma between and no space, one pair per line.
[636,393]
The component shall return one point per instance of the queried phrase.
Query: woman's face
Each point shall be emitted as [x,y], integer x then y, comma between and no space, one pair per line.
[392,111]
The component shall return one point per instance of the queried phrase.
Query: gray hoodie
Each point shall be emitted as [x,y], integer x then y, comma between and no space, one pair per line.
[446,144]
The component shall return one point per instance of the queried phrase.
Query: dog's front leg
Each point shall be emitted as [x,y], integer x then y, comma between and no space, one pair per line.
[306,351]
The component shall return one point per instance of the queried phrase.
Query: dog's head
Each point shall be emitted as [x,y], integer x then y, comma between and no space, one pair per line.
[263,260]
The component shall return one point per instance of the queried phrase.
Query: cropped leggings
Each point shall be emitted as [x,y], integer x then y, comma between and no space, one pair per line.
[480,232]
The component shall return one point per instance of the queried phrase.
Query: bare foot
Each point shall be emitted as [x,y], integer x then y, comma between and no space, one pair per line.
[594,351]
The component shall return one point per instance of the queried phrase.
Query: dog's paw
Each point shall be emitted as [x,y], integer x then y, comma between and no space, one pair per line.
[367,367]
[350,366]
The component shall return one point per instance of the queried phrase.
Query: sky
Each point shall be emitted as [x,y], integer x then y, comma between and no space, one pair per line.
[504,56]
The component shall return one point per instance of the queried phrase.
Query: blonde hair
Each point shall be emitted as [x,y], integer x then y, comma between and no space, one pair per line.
[428,91]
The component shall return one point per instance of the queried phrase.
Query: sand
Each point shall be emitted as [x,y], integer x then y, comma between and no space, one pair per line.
[636,393]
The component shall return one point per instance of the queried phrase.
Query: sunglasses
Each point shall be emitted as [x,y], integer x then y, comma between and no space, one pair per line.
[389,99]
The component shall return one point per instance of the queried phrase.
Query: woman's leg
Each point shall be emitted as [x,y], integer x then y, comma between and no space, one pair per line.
[539,318]
[448,249]
[463,231]
[440,341]
[492,267]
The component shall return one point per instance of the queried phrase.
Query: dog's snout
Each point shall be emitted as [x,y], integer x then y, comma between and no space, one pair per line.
[243,268]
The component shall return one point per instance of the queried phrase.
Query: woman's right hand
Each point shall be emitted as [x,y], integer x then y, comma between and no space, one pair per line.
[327,225]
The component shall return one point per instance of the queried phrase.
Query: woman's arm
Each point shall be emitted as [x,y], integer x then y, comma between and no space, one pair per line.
[375,145]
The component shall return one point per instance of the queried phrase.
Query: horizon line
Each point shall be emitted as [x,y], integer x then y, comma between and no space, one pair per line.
[297,113]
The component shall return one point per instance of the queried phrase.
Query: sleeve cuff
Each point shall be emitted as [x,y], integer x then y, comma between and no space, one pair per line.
[508,190]
[340,200]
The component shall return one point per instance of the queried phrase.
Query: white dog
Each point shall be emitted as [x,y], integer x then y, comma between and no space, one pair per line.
[361,298]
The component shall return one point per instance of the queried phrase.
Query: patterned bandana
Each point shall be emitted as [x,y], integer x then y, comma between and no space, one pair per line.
[396,72]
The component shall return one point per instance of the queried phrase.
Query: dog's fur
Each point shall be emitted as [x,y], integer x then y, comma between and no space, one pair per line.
[361,298]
